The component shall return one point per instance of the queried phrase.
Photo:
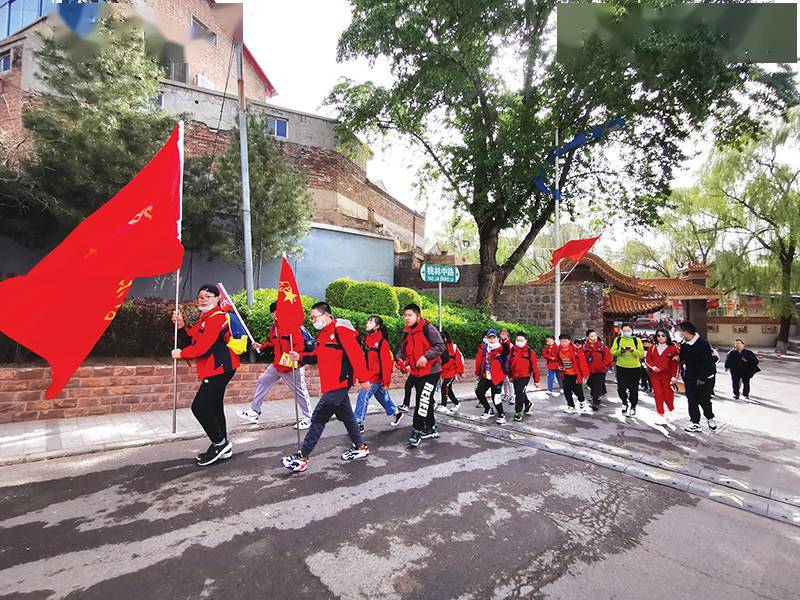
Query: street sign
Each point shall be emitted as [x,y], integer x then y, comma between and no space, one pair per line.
[440,273]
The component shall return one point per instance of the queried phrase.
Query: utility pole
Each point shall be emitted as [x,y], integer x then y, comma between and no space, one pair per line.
[248,238]
[557,227]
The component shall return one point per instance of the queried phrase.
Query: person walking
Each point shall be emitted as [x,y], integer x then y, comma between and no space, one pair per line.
[598,359]
[628,352]
[421,351]
[661,360]
[490,369]
[451,370]
[340,361]
[380,366]
[550,354]
[522,365]
[508,387]
[216,365]
[574,371]
[699,370]
[742,364]
[282,343]
[647,386]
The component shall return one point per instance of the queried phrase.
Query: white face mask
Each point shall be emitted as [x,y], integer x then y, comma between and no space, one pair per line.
[626,334]
[206,308]
[485,341]
[494,346]
[520,344]
[592,340]
[550,342]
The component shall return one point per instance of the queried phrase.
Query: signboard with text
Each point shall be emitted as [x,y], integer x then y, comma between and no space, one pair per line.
[440,273]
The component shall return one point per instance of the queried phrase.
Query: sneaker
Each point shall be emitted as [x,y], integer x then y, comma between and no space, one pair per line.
[583,407]
[737,397]
[479,405]
[570,410]
[491,411]
[416,438]
[397,417]
[595,407]
[214,453]
[443,409]
[361,428]
[303,424]
[746,398]
[528,408]
[624,407]
[632,412]
[248,415]
[296,463]
[456,408]
[356,452]
[403,408]
[228,454]
[518,416]
[430,433]
[693,428]
[500,420]
[485,416]
[712,424]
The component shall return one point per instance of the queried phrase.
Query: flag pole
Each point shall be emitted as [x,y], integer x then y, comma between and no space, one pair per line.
[241,320]
[294,387]
[557,228]
[177,288]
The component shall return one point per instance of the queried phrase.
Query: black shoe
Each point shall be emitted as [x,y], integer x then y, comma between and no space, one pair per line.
[595,407]
[429,433]
[398,416]
[214,453]
[416,437]
[528,408]
[403,408]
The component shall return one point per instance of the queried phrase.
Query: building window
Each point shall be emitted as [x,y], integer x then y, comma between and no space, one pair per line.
[5,62]
[713,328]
[200,31]
[16,14]
[740,329]
[159,100]
[278,127]
[769,329]
[178,72]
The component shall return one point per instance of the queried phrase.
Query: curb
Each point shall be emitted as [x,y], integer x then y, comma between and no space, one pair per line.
[773,508]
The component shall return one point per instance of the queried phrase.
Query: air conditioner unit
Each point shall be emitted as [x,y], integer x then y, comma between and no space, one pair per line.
[203,82]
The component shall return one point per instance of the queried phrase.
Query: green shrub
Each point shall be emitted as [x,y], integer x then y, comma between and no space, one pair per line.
[334,293]
[359,320]
[371,297]
[406,296]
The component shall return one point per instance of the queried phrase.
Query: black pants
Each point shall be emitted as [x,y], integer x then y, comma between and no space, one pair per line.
[628,385]
[407,392]
[596,382]
[447,391]
[423,412]
[738,379]
[699,396]
[521,398]
[645,377]
[334,402]
[208,408]
[484,385]
[571,386]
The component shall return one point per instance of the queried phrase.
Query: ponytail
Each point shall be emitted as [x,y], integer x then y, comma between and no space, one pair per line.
[380,326]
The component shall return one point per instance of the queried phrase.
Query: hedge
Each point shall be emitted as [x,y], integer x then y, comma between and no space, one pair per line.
[334,293]
[406,296]
[371,297]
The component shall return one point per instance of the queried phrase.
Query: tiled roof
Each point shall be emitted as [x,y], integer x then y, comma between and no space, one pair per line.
[624,304]
[607,272]
[680,289]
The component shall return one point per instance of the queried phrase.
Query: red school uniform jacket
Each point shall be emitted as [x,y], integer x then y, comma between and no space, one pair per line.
[522,363]
[497,359]
[550,354]
[379,358]
[667,361]
[423,339]
[578,361]
[208,347]
[598,357]
[338,356]
[455,366]
[280,344]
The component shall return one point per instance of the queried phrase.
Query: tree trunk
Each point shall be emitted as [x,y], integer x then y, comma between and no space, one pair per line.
[786,301]
[490,276]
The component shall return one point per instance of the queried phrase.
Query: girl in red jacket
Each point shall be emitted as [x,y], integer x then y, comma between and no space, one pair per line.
[522,366]
[550,354]
[380,363]
[490,369]
[216,366]
[662,362]
[574,370]
[451,370]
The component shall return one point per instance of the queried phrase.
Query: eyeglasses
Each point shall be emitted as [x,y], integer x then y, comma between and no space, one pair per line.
[660,335]
[206,296]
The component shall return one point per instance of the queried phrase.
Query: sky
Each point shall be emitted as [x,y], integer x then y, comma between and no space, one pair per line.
[295,42]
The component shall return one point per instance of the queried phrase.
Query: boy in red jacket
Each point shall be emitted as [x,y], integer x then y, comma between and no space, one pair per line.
[451,370]
[574,370]
[490,369]
[341,361]
[521,366]
[550,354]
[598,358]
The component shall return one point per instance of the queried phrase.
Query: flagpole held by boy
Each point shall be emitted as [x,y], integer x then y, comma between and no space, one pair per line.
[177,286]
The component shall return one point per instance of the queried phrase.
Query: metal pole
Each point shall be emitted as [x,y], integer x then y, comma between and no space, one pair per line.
[440,306]
[294,387]
[248,241]
[557,227]
[175,360]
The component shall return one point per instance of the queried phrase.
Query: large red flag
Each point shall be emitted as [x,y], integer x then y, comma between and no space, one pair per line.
[64,304]
[574,249]
[290,309]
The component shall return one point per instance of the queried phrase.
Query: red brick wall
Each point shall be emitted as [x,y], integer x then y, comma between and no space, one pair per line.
[114,389]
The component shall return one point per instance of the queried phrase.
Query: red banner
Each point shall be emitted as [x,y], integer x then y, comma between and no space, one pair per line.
[289,309]
[574,249]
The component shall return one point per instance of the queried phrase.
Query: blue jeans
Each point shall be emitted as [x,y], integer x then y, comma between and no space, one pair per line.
[381,393]
[333,403]
[551,375]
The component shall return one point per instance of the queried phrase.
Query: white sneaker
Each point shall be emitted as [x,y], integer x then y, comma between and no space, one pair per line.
[303,424]
[485,416]
[500,420]
[570,410]
[693,428]
[248,415]
[455,408]
[712,424]
[582,407]
[441,408]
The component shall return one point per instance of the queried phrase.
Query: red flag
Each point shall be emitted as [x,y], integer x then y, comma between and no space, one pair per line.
[290,309]
[574,249]
[64,304]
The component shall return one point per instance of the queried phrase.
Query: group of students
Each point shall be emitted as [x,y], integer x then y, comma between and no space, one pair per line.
[431,360]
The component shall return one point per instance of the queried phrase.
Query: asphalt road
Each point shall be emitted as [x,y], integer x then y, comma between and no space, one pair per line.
[462,517]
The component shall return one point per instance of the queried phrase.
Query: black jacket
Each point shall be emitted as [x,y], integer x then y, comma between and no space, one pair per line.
[697,360]
[747,367]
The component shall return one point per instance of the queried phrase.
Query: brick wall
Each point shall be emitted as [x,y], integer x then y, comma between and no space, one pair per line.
[104,390]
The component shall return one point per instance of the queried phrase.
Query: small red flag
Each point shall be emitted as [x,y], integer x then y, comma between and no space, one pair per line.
[64,304]
[574,249]
[290,309]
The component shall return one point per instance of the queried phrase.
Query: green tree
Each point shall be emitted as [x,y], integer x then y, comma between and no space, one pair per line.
[95,127]
[476,85]
[754,190]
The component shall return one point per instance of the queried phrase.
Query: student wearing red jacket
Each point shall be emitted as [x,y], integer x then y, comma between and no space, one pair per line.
[598,358]
[452,369]
[508,386]
[340,361]
[282,343]
[216,365]
[380,366]
[574,371]
[662,361]
[490,369]
[521,367]
[550,354]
